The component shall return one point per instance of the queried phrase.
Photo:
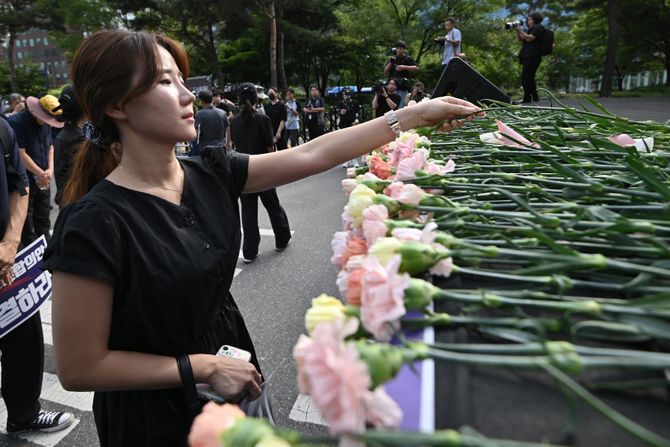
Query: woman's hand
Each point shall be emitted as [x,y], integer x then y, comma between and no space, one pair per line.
[450,111]
[235,379]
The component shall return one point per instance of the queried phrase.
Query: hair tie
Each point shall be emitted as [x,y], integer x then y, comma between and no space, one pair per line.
[92,134]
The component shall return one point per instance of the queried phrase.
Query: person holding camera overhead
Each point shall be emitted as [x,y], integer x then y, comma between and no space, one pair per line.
[385,98]
[400,67]
[530,55]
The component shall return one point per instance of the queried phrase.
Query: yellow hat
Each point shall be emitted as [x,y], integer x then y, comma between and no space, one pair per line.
[46,109]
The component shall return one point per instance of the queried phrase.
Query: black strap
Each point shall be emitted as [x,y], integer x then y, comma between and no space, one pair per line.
[14,180]
[188,382]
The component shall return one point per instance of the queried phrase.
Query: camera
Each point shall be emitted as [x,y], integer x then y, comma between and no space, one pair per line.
[377,87]
[513,25]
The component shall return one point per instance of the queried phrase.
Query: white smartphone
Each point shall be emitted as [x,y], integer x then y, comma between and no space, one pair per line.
[234,353]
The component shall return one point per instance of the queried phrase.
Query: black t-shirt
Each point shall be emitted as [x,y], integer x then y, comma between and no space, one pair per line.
[276,113]
[253,136]
[401,60]
[533,49]
[171,268]
[212,124]
[382,104]
[65,146]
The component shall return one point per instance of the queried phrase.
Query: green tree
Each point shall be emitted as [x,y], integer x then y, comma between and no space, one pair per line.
[17,16]
[30,79]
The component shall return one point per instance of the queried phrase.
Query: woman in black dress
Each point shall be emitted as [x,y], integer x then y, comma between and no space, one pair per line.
[251,133]
[143,254]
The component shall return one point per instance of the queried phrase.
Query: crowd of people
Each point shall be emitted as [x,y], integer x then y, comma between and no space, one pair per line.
[145,246]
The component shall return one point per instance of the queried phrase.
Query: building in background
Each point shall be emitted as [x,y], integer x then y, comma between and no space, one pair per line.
[35,47]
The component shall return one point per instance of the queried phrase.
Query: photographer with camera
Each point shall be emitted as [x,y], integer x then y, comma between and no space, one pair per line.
[418,92]
[385,98]
[400,67]
[451,42]
[347,109]
[530,55]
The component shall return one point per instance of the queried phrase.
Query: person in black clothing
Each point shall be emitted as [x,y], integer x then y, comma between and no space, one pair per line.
[251,133]
[401,67]
[347,109]
[210,122]
[530,55]
[33,134]
[386,99]
[144,252]
[23,347]
[276,111]
[67,140]
[314,110]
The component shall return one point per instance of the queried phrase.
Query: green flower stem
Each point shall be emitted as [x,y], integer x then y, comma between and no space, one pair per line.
[446,320]
[541,348]
[439,438]
[623,422]
[488,299]
[559,281]
[569,361]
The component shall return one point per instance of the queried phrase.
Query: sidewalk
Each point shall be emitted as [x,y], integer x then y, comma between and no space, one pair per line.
[655,108]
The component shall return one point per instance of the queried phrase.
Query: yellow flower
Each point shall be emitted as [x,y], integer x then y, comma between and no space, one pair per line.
[385,248]
[324,308]
[272,441]
[359,199]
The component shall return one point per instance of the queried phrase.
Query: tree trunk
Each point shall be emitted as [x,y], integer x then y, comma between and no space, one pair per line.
[667,65]
[273,43]
[283,82]
[213,56]
[610,56]
[13,82]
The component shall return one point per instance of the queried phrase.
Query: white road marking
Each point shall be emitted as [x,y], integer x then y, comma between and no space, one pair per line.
[304,411]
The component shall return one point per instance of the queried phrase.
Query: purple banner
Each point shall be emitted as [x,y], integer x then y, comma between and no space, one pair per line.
[414,387]
[30,289]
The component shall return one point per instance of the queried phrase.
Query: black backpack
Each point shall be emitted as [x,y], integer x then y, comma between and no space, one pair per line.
[547,44]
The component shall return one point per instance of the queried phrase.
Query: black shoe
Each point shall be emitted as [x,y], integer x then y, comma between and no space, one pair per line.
[283,246]
[249,260]
[46,421]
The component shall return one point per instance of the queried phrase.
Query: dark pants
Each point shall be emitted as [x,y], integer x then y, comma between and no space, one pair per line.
[278,220]
[37,221]
[281,142]
[315,130]
[22,367]
[529,66]
[293,135]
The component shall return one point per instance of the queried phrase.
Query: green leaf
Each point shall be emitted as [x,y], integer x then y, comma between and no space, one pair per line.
[652,326]
[597,105]
[648,175]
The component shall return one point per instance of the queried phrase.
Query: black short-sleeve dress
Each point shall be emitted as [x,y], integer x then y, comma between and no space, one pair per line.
[171,267]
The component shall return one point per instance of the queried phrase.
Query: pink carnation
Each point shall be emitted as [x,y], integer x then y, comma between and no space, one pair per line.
[332,373]
[400,152]
[407,168]
[622,140]
[339,246]
[382,410]
[407,234]
[408,194]
[211,422]
[347,221]
[442,268]
[348,185]
[433,168]
[370,177]
[507,131]
[374,225]
[382,293]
